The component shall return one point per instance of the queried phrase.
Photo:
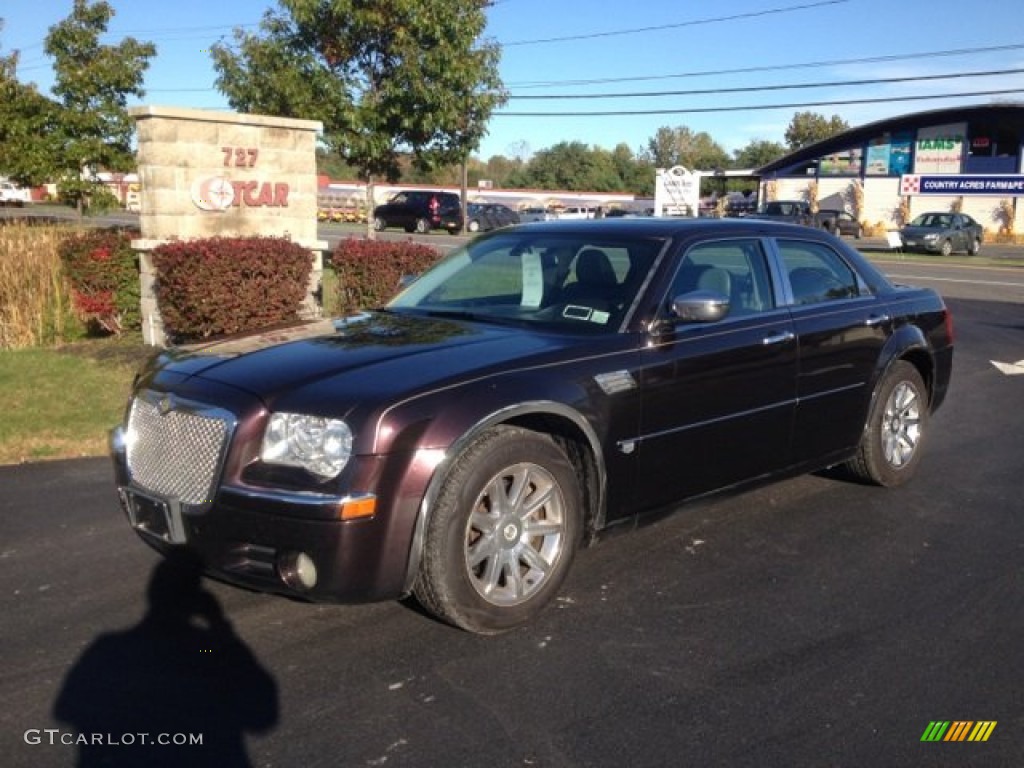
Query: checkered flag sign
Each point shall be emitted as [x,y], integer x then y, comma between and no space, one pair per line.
[910,185]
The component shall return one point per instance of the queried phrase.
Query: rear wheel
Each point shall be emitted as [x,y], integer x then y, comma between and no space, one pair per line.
[974,247]
[503,532]
[379,224]
[473,226]
[890,447]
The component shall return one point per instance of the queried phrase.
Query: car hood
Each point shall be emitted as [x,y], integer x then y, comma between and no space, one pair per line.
[379,354]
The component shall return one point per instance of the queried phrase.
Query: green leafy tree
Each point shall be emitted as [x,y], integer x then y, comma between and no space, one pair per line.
[681,146]
[92,83]
[808,127]
[26,119]
[386,79]
[637,173]
[757,153]
[572,165]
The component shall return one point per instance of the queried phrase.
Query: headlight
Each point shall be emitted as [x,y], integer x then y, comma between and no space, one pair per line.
[931,237]
[321,446]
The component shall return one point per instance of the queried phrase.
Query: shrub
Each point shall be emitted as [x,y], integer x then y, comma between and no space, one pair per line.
[369,271]
[104,274]
[219,285]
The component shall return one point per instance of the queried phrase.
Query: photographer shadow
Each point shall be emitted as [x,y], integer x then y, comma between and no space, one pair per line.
[143,696]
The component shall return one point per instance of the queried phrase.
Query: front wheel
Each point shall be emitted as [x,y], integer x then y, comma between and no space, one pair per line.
[890,447]
[473,226]
[379,224]
[946,248]
[503,532]
[422,226]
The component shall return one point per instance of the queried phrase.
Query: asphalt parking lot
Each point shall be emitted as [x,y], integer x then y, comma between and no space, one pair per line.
[812,622]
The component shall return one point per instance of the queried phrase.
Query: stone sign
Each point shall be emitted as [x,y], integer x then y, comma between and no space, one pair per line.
[217,174]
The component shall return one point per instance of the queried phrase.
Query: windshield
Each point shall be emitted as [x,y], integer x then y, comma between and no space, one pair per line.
[939,220]
[579,280]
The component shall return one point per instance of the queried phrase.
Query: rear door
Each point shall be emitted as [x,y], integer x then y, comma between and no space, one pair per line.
[841,328]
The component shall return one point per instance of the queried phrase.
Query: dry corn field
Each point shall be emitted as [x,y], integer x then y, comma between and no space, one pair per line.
[35,306]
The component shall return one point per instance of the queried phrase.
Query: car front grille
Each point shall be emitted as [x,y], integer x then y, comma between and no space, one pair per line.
[175,448]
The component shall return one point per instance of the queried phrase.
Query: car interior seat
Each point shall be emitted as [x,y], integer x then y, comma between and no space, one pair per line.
[596,284]
[716,279]
[809,285]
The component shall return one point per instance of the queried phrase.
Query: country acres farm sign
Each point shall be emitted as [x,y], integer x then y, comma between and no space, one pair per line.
[996,185]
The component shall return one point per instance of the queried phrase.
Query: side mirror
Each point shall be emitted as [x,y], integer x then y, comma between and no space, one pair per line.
[701,306]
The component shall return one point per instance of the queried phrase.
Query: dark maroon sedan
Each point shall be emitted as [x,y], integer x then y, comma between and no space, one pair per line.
[540,385]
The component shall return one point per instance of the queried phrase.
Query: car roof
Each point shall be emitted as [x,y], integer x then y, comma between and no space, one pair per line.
[652,226]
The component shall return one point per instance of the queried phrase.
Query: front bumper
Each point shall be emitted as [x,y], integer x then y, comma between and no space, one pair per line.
[919,244]
[251,538]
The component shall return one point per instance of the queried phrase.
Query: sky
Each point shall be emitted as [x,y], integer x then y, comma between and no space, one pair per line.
[738,70]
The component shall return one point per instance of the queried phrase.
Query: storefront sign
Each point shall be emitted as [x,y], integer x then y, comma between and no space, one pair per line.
[993,185]
[940,149]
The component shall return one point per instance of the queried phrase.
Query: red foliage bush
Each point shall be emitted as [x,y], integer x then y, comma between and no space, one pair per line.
[219,285]
[104,274]
[369,271]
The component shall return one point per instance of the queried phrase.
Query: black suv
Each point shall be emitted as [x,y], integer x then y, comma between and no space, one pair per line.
[420,212]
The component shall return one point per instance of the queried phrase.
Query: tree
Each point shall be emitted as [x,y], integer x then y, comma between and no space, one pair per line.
[26,119]
[757,153]
[681,146]
[572,165]
[92,83]
[637,175]
[385,79]
[808,127]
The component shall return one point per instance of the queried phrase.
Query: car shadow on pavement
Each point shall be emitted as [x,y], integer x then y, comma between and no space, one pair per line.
[179,688]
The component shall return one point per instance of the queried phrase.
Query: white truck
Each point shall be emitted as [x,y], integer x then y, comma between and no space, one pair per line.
[10,194]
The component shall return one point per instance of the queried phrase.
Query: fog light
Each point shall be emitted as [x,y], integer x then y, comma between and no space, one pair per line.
[297,570]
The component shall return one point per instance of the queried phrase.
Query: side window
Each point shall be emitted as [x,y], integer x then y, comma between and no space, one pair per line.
[736,269]
[817,273]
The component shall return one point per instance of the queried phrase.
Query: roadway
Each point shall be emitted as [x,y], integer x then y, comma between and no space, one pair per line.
[812,622]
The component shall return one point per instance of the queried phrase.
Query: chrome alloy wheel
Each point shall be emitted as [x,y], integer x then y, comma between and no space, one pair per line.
[901,425]
[515,535]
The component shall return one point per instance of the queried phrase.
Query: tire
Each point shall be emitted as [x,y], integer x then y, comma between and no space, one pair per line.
[473,226]
[890,447]
[422,226]
[973,247]
[946,248]
[502,533]
[859,233]
[379,224]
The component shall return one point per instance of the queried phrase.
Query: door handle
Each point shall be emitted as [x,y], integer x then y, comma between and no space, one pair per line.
[874,320]
[778,338]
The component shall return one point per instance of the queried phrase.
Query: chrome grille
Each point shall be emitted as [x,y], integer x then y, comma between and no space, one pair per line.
[175,448]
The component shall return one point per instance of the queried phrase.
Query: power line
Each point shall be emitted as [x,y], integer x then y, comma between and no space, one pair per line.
[661,27]
[773,68]
[784,87]
[758,107]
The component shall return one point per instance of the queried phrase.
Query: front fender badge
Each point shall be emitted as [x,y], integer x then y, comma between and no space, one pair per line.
[613,382]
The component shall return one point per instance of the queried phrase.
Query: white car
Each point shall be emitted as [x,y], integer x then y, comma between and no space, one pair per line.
[536,213]
[13,195]
[577,212]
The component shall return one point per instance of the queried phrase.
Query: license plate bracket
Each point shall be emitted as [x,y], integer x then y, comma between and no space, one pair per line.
[154,516]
